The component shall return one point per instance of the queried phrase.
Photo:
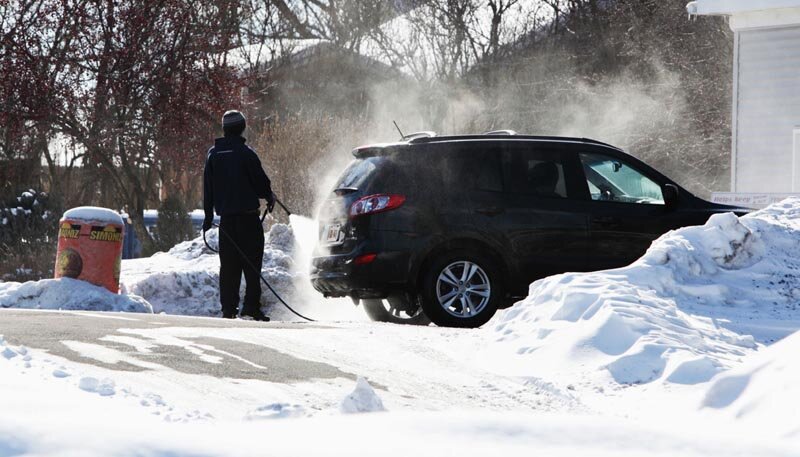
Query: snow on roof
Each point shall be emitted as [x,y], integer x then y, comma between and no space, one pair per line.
[93,213]
[730,7]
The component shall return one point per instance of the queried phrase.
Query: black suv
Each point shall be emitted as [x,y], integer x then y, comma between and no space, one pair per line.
[452,228]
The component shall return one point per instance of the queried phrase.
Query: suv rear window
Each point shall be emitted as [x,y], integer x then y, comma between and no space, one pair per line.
[357,173]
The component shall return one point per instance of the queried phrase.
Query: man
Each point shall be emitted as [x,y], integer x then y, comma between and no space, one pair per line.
[233,181]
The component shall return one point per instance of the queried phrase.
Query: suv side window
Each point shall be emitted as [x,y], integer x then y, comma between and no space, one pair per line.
[611,179]
[476,168]
[534,172]
[489,174]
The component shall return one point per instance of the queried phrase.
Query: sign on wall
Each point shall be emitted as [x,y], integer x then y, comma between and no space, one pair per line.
[749,200]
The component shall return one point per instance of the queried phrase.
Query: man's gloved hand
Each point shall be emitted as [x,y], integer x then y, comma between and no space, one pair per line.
[207,224]
[271,202]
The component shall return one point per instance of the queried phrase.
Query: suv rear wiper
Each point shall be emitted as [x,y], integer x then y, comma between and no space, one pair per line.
[344,190]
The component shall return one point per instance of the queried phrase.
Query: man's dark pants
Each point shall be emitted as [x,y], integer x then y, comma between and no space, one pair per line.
[245,230]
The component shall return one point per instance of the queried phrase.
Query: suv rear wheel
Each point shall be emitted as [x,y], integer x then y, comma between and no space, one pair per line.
[461,289]
[397,310]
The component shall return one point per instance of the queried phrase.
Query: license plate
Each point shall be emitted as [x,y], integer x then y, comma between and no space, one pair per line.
[332,234]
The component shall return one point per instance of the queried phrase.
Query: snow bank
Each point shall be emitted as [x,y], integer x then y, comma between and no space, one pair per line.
[68,294]
[764,392]
[699,300]
[185,280]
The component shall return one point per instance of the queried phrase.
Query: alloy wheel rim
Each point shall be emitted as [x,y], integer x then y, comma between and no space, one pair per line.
[463,289]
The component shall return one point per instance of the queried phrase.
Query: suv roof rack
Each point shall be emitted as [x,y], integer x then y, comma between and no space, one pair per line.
[418,135]
[500,132]
[441,139]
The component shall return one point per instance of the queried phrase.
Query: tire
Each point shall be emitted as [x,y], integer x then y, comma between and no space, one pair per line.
[395,310]
[458,299]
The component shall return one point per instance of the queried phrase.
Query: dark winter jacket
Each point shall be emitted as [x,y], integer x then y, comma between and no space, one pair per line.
[233,179]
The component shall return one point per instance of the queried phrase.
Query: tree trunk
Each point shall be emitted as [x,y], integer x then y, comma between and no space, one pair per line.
[137,218]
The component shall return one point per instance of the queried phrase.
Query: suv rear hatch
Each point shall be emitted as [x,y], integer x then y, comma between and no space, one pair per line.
[338,232]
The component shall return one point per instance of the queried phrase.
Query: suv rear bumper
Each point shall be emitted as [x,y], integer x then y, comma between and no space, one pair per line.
[338,275]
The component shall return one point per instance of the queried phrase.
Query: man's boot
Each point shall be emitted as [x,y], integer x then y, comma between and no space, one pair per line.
[255,314]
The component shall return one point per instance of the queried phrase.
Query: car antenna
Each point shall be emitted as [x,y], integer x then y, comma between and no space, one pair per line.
[398,129]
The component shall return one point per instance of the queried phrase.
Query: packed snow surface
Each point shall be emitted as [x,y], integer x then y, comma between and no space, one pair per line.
[54,407]
[68,294]
[699,300]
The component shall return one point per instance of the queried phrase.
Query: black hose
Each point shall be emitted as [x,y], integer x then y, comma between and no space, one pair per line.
[257,270]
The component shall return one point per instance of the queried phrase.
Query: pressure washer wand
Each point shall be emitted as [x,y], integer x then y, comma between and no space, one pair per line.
[288,213]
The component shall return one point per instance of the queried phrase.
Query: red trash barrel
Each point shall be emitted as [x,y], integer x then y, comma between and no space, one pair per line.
[90,246]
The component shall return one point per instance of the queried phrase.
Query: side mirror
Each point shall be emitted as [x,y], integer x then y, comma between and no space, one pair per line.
[671,195]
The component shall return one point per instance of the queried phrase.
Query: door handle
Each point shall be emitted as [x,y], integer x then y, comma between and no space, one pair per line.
[606,220]
[490,211]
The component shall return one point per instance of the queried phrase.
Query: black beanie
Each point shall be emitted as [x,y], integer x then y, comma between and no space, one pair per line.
[233,122]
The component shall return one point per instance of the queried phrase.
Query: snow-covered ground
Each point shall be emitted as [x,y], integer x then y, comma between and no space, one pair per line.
[688,351]
[441,400]
[762,392]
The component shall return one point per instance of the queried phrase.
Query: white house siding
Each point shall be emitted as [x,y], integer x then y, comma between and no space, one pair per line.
[768,108]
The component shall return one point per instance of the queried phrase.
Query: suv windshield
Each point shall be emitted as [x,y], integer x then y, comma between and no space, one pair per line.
[357,173]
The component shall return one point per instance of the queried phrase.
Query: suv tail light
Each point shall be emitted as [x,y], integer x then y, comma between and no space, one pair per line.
[379,203]
[365,259]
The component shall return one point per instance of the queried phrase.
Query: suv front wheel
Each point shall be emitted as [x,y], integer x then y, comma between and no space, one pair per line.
[461,289]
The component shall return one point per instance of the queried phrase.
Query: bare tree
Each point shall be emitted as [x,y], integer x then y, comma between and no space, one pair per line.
[499,9]
[344,23]
[134,86]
